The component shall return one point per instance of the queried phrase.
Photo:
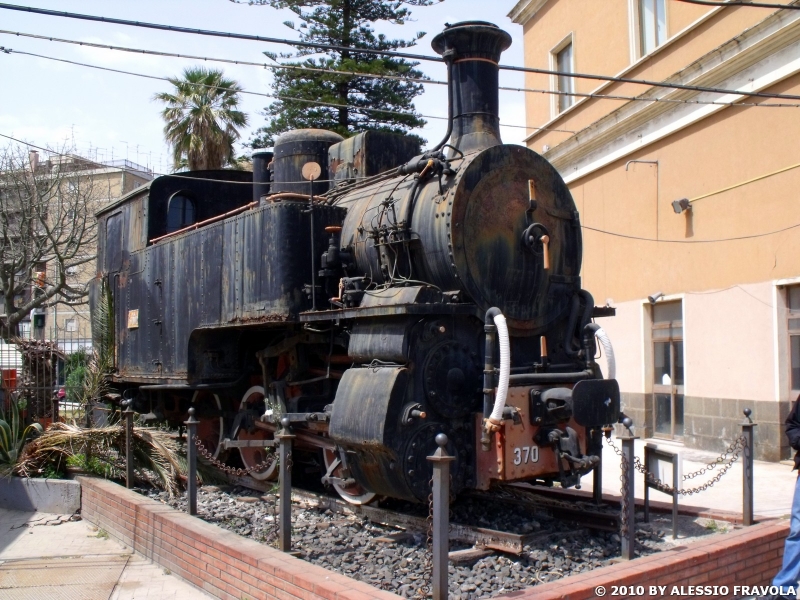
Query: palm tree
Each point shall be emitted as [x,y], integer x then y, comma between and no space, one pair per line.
[202,118]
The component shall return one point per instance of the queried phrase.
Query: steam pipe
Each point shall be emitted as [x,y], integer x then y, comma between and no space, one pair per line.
[488,369]
[588,309]
[448,57]
[599,332]
[505,368]
[573,320]
[589,346]
[572,323]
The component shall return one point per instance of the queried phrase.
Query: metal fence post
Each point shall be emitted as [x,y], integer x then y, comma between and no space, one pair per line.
[285,438]
[747,480]
[628,508]
[128,414]
[191,458]
[441,516]
[597,473]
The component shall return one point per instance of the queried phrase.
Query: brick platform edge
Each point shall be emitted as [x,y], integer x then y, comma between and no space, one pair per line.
[232,568]
[220,562]
[750,556]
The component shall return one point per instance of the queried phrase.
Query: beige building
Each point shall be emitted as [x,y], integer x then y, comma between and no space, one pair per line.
[720,330]
[71,325]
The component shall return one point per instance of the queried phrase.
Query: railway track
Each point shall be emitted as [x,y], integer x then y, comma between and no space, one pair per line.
[583,514]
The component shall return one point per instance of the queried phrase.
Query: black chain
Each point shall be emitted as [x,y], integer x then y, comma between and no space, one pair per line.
[623,517]
[232,470]
[427,568]
[727,458]
[736,446]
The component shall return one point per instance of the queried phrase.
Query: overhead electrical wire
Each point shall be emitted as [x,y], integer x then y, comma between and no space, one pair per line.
[151,172]
[602,231]
[731,239]
[421,57]
[381,76]
[224,34]
[241,91]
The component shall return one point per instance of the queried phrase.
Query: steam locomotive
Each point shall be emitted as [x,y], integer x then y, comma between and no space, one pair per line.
[373,295]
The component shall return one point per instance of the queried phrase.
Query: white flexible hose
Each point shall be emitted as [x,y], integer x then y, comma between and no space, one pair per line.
[505,369]
[609,350]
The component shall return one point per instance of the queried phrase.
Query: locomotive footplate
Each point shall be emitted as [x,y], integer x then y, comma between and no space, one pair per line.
[532,449]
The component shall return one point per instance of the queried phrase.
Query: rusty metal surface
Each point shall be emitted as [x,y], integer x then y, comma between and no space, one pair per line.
[498,463]
[369,153]
[476,48]
[83,578]
[465,241]
[248,270]
[390,310]
[293,150]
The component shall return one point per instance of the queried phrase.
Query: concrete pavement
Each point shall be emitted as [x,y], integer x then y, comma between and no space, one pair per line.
[774,482]
[43,558]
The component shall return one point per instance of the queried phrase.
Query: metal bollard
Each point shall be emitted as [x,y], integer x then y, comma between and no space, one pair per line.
[441,516]
[285,438]
[128,416]
[747,480]
[191,458]
[628,516]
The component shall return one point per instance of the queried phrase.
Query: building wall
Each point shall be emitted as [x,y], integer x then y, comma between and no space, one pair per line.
[605,43]
[727,148]
[631,160]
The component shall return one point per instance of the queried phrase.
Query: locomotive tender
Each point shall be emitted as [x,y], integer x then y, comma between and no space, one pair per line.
[396,296]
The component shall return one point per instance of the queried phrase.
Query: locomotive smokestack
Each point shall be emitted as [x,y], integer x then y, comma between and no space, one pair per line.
[473,49]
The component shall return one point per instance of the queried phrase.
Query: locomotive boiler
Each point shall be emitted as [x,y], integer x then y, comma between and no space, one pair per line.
[373,295]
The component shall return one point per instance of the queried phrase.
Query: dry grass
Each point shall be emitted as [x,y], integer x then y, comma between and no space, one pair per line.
[157,458]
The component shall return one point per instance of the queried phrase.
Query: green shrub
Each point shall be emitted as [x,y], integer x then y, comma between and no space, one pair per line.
[14,435]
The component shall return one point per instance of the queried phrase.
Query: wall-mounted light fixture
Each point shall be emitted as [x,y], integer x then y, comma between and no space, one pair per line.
[653,298]
[681,205]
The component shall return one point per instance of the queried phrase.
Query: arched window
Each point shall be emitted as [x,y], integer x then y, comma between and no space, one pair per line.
[180,211]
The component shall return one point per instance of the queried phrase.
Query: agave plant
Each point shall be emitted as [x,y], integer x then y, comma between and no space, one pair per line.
[14,435]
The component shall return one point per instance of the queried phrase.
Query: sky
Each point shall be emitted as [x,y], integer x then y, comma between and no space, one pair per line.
[107,116]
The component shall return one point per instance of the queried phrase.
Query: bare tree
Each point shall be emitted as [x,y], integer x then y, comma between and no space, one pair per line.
[47,230]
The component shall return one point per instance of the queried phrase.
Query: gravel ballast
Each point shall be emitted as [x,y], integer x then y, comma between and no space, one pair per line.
[386,558]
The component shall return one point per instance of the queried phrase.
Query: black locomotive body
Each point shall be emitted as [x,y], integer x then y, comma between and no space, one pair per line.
[367,301]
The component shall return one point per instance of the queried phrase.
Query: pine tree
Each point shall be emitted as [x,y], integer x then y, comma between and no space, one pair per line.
[344,23]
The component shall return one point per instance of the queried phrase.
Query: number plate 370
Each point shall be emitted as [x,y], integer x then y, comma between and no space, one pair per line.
[526,454]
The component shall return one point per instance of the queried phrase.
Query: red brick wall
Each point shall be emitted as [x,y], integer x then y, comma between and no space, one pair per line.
[747,557]
[232,568]
[222,563]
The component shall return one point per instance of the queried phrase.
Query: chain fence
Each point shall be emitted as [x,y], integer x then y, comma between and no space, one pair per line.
[725,461]
[238,472]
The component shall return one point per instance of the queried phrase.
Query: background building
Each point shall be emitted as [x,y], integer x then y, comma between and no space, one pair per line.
[71,324]
[708,299]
